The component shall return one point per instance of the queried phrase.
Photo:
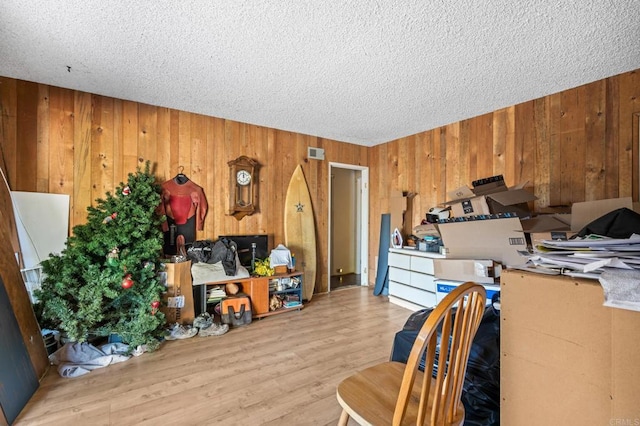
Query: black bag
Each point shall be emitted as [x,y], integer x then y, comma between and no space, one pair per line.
[620,223]
[236,310]
[207,251]
[481,389]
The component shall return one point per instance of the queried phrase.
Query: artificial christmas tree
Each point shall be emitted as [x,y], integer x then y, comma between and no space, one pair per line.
[106,279]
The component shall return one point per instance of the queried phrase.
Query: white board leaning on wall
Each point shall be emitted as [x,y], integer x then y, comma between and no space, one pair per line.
[42,221]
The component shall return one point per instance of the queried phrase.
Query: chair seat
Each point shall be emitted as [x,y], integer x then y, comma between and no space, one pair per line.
[370,395]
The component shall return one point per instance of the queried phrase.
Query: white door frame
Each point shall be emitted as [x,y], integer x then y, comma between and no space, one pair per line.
[362,222]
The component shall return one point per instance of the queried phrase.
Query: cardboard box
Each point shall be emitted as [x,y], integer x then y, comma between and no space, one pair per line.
[511,201]
[489,185]
[401,210]
[444,287]
[469,207]
[460,193]
[559,209]
[547,223]
[480,271]
[538,237]
[397,207]
[502,240]
[561,349]
[178,281]
[490,195]
[584,213]
[407,217]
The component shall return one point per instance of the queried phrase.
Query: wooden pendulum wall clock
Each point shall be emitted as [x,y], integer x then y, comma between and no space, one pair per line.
[242,187]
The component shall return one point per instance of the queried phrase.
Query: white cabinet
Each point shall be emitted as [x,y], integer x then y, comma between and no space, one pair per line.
[411,281]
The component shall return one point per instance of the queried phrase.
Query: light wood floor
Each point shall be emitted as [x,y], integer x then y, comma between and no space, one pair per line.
[281,370]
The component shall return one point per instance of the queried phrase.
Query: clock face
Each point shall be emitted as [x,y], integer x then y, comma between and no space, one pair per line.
[243,177]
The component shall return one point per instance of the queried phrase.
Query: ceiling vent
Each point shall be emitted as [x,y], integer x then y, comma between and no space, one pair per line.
[315,153]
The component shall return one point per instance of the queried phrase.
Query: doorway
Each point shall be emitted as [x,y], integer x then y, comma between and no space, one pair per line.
[348,225]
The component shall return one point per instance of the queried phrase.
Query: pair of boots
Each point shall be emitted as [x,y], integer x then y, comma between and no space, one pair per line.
[206,327]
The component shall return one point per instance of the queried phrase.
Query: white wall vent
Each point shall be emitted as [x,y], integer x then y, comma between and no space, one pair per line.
[315,153]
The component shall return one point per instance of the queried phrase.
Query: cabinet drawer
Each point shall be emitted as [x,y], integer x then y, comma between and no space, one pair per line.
[422,264]
[423,281]
[412,294]
[400,275]
[399,260]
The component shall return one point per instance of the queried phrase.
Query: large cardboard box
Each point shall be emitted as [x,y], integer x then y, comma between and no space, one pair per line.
[502,240]
[490,195]
[565,358]
[179,284]
[478,270]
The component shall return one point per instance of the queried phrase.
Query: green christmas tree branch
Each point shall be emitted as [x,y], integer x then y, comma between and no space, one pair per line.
[85,290]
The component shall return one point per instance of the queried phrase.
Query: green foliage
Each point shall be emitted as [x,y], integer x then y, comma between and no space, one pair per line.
[82,291]
[263,268]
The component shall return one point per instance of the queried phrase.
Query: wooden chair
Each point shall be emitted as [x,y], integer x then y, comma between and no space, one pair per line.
[393,393]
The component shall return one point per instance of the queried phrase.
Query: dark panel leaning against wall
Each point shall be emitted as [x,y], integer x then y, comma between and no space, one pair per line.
[10,272]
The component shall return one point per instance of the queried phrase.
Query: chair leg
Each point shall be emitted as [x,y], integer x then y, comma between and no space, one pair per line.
[344,418]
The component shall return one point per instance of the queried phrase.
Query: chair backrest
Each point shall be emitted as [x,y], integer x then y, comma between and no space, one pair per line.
[457,317]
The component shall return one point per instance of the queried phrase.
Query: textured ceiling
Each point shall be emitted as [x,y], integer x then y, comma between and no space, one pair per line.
[364,72]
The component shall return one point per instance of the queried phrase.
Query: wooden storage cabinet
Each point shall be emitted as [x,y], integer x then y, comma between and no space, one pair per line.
[258,290]
[411,281]
[565,358]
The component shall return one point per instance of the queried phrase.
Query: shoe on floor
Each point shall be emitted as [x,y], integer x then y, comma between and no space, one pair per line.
[202,321]
[178,332]
[214,330]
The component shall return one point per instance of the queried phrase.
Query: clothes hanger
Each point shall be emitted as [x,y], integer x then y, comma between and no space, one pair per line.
[181,178]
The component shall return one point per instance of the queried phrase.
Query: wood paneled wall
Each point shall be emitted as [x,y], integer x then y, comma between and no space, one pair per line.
[572,146]
[577,145]
[63,141]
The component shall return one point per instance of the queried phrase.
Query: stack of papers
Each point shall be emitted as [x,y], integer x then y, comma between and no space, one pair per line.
[586,257]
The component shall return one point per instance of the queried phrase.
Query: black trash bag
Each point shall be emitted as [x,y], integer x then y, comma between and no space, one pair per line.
[481,388]
[222,250]
[403,341]
[226,251]
[620,223]
[199,251]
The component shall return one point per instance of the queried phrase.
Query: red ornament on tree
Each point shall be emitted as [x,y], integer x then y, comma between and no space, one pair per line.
[154,307]
[127,282]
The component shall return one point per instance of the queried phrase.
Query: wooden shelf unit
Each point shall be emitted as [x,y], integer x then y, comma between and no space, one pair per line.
[257,288]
